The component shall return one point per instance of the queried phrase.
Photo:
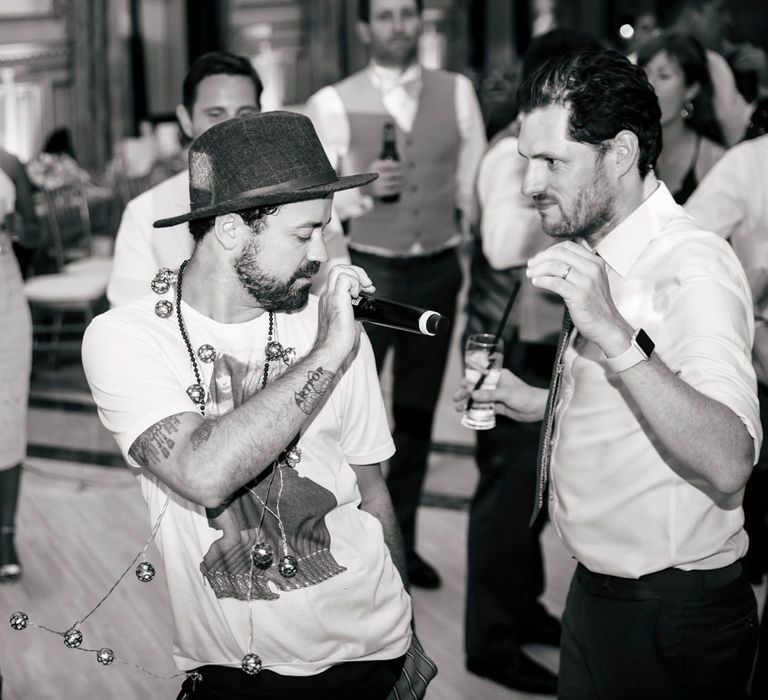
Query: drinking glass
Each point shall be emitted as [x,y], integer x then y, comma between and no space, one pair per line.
[483,357]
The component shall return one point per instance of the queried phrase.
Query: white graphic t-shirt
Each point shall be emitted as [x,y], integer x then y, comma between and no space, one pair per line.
[346,602]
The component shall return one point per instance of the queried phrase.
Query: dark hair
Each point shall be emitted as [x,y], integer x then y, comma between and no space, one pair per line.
[604,93]
[218,63]
[554,43]
[254,217]
[364,9]
[689,54]
[668,12]
[60,141]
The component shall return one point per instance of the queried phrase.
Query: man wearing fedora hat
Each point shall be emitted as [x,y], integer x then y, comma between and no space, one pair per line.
[251,413]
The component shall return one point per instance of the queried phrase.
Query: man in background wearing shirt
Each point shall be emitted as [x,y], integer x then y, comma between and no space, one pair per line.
[409,246]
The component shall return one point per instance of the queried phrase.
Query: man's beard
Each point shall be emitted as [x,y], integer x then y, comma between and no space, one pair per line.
[270,293]
[592,210]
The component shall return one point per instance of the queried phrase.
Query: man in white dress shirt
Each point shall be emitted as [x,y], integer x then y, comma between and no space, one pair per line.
[651,446]
[407,246]
[505,567]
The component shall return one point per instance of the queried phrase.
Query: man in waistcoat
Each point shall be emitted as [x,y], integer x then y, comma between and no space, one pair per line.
[408,246]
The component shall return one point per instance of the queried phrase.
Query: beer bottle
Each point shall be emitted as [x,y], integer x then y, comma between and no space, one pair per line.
[389,152]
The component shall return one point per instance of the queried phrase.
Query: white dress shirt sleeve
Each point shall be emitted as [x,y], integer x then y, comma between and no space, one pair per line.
[510,225]
[473,145]
[730,201]
[133,262]
[326,110]
[711,331]
[718,203]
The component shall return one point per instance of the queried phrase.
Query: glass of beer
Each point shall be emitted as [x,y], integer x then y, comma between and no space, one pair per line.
[483,358]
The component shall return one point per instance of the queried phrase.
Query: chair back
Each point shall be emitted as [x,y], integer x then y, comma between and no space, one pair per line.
[69,223]
[128,187]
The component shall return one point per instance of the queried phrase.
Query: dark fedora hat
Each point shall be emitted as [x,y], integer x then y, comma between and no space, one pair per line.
[259,160]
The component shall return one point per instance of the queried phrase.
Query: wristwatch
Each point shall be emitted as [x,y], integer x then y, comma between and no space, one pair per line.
[640,349]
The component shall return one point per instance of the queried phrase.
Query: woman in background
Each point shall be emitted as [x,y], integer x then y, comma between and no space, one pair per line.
[676,65]
[15,366]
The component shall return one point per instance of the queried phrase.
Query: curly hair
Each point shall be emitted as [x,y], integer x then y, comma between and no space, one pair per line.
[604,93]
[255,218]
[690,55]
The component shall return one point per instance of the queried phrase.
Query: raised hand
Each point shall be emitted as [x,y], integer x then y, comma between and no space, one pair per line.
[580,278]
[337,329]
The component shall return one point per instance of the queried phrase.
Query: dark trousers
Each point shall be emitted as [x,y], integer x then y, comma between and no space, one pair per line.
[418,366]
[359,680]
[672,635]
[505,572]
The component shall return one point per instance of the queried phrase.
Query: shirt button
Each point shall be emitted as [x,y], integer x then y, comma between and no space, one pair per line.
[551,496]
[416,212]
[409,141]
[414,188]
[411,165]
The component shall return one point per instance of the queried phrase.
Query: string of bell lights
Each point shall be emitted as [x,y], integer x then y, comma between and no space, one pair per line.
[73,637]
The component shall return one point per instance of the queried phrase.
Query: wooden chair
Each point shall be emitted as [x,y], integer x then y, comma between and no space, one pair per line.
[128,188]
[78,288]
[69,225]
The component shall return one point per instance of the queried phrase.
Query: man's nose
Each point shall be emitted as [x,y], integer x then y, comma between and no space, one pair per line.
[317,251]
[534,182]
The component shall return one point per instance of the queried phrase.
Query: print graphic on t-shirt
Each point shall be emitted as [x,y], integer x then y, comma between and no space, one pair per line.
[295,502]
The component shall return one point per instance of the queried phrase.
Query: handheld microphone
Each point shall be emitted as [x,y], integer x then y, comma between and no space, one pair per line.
[399,316]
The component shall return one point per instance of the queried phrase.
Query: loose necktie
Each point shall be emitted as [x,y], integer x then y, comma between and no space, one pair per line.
[548,423]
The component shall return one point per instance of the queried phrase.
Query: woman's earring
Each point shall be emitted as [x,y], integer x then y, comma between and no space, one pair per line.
[687,111]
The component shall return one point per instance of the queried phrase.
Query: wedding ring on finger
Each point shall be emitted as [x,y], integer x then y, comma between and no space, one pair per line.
[566,273]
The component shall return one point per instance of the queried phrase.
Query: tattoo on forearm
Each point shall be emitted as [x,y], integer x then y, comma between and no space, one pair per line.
[155,443]
[202,433]
[316,386]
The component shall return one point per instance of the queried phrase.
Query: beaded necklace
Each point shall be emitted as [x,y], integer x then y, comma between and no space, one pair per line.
[273,350]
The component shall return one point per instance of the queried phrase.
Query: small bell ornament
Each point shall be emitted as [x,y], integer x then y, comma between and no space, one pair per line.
[293,456]
[196,392]
[262,555]
[274,350]
[251,664]
[164,308]
[206,353]
[105,656]
[19,621]
[288,566]
[73,638]
[145,572]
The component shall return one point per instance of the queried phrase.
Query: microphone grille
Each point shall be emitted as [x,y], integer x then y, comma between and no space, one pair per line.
[437,324]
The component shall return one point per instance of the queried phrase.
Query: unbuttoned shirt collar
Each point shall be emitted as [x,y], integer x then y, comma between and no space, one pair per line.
[623,246]
[400,91]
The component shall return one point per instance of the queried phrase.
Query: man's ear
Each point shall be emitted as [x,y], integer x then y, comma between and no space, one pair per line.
[364,32]
[228,230]
[626,150]
[185,119]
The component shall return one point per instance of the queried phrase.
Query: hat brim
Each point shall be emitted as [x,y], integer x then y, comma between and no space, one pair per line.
[347,182]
